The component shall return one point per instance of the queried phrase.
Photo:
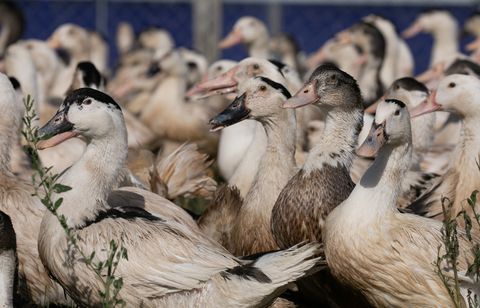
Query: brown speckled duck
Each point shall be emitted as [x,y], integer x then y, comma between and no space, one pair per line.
[324,180]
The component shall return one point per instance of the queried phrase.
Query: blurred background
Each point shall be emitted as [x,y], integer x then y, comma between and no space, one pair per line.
[200,24]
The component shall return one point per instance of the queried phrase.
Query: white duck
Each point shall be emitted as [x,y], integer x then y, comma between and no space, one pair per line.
[188,268]
[253,33]
[457,94]
[387,255]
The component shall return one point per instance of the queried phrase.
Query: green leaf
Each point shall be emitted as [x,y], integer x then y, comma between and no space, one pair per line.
[60,188]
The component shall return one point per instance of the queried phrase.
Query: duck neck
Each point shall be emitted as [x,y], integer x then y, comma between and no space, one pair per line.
[278,161]
[469,143]
[92,178]
[369,81]
[337,145]
[381,184]
[259,47]
[445,43]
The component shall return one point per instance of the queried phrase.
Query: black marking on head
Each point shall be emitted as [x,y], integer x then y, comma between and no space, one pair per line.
[248,272]
[409,84]
[15,83]
[63,55]
[90,74]
[464,67]
[376,38]
[395,101]
[124,212]
[279,65]
[7,234]
[192,65]
[276,86]
[79,95]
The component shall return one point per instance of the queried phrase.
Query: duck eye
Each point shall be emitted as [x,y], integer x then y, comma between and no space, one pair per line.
[87,101]
[256,66]
[219,68]
[397,112]
[451,85]
[397,87]
[263,88]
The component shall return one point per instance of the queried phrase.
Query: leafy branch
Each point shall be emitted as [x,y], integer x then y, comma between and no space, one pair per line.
[45,187]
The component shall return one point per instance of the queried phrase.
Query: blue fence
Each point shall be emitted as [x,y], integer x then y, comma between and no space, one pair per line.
[311,24]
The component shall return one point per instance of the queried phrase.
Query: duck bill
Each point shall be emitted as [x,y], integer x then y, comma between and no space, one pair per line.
[232,39]
[307,95]
[427,106]
[413,30]
[53,42]
[375,140]
[475,45]
[234,113]
[222,84]
[56,131]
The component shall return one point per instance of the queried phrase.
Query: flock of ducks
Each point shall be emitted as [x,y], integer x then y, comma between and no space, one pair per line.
[335,167]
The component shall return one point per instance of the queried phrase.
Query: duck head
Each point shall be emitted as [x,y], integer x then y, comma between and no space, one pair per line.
[390,126]
[406,89]
[328,87]
[87,112]
[261,98]
[87,75]
[246,30]
[455,93]
[430,22]
[245,69]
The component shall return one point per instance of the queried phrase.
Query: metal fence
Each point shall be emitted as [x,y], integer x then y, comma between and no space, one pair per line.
[311,21]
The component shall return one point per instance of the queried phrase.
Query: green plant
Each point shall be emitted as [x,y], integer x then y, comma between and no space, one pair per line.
[451,246]
[46,186]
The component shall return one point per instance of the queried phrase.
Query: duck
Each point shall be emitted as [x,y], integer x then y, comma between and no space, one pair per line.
[285,48]
[8,261]
[387,255]
[244,161]
[323,181]
[261,99]
[399,60]
[372,44]
[124,38]
[347,57]
[169,115]
[444,29]
[12,24]
[456,94]
[471,26]
[185,259]
[424,168]
[253,33]
[17,202]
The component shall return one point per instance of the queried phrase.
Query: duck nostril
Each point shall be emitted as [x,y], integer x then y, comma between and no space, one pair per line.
[305,91]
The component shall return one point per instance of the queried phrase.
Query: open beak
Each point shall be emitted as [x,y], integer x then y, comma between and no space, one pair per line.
[375,140]
[232,39]
[413,30]
[222,84]
[56,131]
[306,95]
[234,113]
[475,45]
[427,106]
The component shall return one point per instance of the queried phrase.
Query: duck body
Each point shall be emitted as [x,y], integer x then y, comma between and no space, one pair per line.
[387,255]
